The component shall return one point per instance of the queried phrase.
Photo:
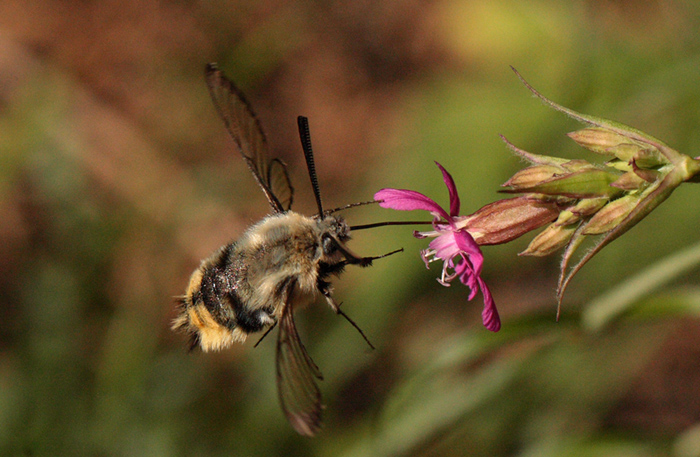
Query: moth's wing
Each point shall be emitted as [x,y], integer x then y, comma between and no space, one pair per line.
[279,182]
[245,129]
[296,379]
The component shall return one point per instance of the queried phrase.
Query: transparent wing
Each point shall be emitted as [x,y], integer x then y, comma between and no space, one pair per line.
[296,379]
[244,127]
[281,186]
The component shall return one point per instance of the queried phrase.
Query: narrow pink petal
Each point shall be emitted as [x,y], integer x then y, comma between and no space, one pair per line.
[466,275]
[473,284]
[489,315]
[407,200]
[466,244]
[471,277]
[452,189]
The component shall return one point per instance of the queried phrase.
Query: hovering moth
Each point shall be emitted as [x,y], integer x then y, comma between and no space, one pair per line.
[280,263]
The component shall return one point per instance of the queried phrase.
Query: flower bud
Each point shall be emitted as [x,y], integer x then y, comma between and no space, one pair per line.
[582,209]
[629,181]
[649,158]
[647,175]
[578,165]
[532,176]
[567,217]
[586,183]
[625,151]
[607,142]
[611,215]
[621,165]
[551,239]
[589,206]
[505,220]
[598,139]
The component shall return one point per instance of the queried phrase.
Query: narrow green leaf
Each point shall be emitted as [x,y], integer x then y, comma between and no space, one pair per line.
[605,308]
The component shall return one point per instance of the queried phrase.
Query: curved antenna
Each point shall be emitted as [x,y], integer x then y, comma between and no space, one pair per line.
[305,137]
[350,205]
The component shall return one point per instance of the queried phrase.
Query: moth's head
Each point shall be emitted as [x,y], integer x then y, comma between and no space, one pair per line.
[334,232]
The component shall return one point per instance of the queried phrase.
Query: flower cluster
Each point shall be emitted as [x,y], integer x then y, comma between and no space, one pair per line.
[605,200]
[574,199]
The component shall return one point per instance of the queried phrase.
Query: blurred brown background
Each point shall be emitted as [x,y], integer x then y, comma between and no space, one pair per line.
[117,178]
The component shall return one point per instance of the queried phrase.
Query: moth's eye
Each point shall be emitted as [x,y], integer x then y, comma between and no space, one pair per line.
[329,245]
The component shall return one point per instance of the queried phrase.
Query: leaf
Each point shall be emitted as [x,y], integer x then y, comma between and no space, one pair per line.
[608,306]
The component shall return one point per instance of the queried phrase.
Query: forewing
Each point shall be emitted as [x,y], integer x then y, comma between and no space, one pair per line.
[279,182]
[245,129]
[296,379]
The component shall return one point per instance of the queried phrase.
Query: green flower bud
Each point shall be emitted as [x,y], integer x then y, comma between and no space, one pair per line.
[584,208]
[649,158]
[602,140]
[551,239]
[626,151]
[534,175]
[611,215]
[589,206]
[567,217]
[621,165]
[598,139]
[629,181]
[578,165]
[588,183]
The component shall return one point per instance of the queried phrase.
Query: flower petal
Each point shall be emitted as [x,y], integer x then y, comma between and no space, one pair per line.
[466,244]
[470,275]
[444,246]
[407,200]
[452,189]
[489,315]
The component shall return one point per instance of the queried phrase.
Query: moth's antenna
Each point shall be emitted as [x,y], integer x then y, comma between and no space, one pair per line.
[351,205]
[305,138]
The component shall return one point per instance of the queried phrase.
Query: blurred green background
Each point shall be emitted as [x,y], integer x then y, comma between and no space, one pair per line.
[117,178]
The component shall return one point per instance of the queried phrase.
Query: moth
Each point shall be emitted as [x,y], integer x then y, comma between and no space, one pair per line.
[279,264]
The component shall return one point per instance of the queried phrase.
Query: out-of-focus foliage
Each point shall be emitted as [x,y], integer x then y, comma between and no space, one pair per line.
[116,178]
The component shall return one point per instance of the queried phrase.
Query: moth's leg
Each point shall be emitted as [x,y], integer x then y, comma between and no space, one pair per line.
[352,259]
[325,288]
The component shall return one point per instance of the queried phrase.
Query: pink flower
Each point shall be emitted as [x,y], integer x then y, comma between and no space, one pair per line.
[453,244]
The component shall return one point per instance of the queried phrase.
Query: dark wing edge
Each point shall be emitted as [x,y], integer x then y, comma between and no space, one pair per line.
[246,131]
[296,379]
